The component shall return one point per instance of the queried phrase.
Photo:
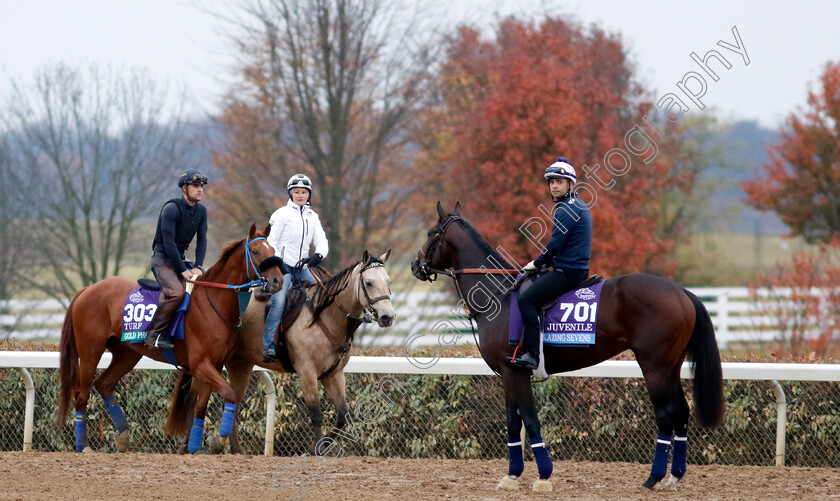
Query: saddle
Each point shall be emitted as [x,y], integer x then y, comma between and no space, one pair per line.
[150,284]
[528,279]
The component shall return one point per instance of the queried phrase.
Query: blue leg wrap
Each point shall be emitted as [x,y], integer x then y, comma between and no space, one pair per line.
[116,413]
[516,465]
[680,452]
[81,430]
[226,427]
[196,435]
[660,459]
[544,466]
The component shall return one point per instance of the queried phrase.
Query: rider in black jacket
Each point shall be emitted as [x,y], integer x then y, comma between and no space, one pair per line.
[179,221]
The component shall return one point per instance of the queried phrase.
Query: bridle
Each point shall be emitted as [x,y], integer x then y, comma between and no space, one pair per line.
[243,289]
[368,312]
[423,262]
[431,274]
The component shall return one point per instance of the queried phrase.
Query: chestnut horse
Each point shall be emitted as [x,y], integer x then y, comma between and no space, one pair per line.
[657,320]
[93,323]
[319,341]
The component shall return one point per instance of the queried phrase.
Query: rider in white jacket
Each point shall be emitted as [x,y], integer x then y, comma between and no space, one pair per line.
[294,227]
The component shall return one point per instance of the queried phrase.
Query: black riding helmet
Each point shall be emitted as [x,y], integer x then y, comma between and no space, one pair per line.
[192,177]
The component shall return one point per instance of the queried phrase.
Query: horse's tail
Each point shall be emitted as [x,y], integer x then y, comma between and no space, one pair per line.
[68,363]
[183,399]
[705,362]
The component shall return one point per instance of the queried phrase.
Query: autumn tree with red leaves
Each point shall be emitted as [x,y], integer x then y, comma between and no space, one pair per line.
[802,301]
[802,180]
[509,106]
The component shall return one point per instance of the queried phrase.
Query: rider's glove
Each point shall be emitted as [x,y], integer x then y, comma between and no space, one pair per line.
[530,267]
[315,260]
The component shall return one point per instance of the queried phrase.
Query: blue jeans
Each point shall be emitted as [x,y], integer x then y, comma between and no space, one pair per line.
[278,304]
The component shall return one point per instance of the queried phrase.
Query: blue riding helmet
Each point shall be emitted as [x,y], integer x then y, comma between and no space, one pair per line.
[561,169]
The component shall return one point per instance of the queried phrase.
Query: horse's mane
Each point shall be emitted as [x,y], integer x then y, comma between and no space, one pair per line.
[215,270]
[322,298]
[482,244]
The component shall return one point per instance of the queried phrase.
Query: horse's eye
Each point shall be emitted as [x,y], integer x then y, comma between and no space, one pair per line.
[369,283]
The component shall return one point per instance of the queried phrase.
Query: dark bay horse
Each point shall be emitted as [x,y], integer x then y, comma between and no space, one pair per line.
[319,342]
[660,322]
[93,323]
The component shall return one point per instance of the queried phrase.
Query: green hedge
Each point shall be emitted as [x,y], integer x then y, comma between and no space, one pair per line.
[457,417]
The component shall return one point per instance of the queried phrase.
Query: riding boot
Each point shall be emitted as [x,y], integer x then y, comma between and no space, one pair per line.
[270,354]
[527,361]
[158,340]
[172,290]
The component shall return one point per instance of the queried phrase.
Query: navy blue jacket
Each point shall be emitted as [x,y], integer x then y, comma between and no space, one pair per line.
[570,245]
[177,224]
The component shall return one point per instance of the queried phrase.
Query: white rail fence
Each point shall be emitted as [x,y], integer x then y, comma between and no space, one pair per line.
[735,315]
[772,373]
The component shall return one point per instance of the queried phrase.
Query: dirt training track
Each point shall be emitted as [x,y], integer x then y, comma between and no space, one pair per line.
[62,475]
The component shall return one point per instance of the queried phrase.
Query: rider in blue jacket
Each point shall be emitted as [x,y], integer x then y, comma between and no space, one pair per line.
[568,252]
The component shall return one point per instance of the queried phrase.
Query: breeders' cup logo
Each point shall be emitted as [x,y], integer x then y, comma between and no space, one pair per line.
[137,297]
[586,294]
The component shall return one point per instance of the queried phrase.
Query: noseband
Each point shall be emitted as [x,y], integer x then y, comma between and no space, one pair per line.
[423,263]
[369,310]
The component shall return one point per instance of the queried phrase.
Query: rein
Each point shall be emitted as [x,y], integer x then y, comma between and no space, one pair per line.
[249,265]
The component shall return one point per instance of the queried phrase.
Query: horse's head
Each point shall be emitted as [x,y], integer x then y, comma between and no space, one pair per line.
[437,252]
[374,287]
[262,264]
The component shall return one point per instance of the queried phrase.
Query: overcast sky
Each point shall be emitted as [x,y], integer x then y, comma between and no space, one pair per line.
[787,43]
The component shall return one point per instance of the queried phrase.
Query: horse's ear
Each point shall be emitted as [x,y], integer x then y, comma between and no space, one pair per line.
[458,209]
[267,229]
[365,257]
[441,213]
[252,231]
[384,257]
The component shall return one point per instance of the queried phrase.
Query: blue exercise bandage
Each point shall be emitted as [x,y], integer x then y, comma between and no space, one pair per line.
[116,413]
[81,430]
[226,427]
[516,465]
[196,434]
[544,466]
[680,451]
[660,459]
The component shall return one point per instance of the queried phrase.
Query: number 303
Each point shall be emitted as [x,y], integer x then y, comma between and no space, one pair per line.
[139,312]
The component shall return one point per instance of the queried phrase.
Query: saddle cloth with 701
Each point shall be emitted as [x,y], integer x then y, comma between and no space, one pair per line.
[571,321]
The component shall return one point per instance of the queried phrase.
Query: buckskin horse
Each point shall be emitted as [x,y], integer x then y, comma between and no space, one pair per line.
[660,322]
[93,323]
[319,339]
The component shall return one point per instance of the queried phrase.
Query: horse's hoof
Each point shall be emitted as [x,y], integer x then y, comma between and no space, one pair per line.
[508,483]
[182,449]
[649,483]
[121,441]
[200,452]
[542,486]
[215,446]
[671,483]
[88,450]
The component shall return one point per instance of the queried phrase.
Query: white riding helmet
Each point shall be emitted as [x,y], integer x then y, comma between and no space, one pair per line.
[299,181]
[561,169]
